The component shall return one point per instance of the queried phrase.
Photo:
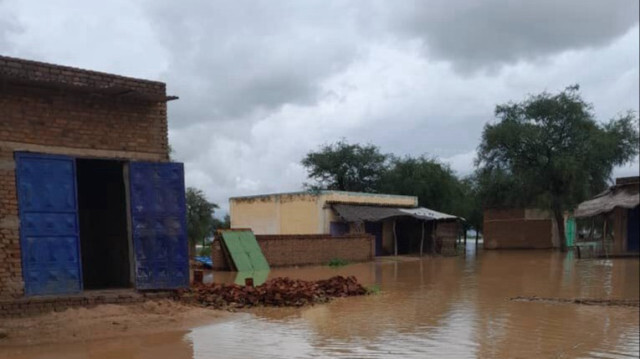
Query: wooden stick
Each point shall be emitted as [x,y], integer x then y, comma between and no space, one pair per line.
[395,239]
[422,240]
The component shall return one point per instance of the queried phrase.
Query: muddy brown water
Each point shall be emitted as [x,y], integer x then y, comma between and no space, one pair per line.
[455,307]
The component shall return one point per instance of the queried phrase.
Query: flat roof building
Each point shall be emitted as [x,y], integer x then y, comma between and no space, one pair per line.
[88,196]
[394,220]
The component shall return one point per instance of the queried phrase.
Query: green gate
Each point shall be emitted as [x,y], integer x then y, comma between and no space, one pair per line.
[570,232]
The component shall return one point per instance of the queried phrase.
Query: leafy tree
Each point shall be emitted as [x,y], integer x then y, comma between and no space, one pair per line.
[434,183]
[470,205]
[550,150]
[221,224]
[345,167]
[200,220]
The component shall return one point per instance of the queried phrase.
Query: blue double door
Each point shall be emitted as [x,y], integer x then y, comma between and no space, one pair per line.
[50,232]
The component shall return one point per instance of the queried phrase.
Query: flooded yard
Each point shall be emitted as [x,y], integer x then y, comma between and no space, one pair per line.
[455,307]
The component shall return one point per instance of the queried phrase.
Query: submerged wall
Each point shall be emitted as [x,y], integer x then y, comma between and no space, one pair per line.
[296,250]
[518,229]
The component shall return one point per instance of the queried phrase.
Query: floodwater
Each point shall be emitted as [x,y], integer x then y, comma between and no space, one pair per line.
[456,307]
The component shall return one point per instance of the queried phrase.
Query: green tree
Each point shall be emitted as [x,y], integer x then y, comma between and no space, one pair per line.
[470,205]
[433,182]
[200,220]
[550,150]
[221,224]
[345,167]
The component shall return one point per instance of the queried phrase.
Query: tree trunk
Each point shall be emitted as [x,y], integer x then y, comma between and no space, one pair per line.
[557,214]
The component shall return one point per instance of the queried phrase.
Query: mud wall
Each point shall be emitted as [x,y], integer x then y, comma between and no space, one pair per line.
[513,229]
[295,250]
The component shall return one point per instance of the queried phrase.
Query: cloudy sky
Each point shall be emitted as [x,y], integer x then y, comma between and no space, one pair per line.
[261,83]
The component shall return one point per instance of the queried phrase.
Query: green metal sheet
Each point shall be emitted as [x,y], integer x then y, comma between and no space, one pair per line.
[570,231]
[245,251]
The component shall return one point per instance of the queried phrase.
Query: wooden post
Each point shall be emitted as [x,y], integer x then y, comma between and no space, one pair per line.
[434,228]
[604,236]
[465,237]
[476,238]
[395,239]
[422,240]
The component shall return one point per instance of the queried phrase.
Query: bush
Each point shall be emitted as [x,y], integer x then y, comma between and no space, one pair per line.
[337,262]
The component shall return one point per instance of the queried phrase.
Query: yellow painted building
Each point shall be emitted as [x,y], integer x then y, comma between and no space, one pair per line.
[302,212]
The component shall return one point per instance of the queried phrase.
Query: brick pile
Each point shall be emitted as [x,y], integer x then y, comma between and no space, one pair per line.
[276,292]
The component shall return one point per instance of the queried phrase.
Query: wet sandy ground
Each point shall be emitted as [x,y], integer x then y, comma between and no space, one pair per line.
[454,307]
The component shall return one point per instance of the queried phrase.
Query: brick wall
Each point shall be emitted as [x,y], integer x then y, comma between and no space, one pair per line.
[10,264]
[446,236]
[293,250]
[62,110]
[73,116]
[509,229]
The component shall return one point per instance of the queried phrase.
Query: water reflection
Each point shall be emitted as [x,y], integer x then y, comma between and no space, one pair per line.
[172,345]
[454,307]
[449,307]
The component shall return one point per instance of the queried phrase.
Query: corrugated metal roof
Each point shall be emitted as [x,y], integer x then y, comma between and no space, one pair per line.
[426,213]
[361,213]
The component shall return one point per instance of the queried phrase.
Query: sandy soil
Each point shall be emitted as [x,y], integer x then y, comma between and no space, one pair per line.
[106,321]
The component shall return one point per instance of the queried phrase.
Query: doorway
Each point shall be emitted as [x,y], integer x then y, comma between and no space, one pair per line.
[102,213]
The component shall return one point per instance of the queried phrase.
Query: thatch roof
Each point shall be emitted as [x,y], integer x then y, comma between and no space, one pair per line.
[624,195]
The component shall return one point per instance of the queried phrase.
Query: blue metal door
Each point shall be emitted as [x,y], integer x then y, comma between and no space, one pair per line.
[48,224]
[159,229]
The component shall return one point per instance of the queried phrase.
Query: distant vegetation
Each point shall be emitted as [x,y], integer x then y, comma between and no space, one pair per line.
[547,151]
[201,223]
[337,262]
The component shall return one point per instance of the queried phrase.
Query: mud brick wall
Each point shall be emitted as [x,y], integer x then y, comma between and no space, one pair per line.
[446,236]
[509,229]
[10,264]
[295,250]
[74,119]
[51,109]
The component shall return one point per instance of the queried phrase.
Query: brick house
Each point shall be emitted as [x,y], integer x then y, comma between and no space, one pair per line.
[396,222]
[519,228]
[88,196]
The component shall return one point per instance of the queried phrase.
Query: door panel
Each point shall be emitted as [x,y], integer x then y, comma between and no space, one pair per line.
[158,221]
[48,224]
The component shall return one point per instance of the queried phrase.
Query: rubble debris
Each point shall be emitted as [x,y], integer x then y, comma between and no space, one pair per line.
[278,292]
[583,301]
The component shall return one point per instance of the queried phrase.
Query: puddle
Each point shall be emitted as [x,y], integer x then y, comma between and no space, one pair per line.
[455,307]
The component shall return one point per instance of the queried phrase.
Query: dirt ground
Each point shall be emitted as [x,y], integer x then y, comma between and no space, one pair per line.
[105,321]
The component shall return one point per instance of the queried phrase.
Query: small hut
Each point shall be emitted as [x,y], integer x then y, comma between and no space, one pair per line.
[617,210]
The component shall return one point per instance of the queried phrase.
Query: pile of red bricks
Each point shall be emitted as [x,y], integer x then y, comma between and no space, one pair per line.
[276,292]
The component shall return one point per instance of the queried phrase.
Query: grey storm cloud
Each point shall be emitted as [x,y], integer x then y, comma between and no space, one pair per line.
[261,82]
[244,59]
[234,58]
[8,26]
[487,34]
